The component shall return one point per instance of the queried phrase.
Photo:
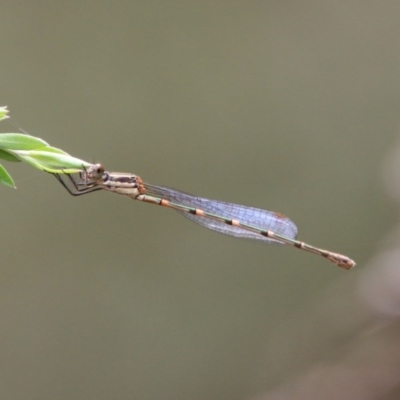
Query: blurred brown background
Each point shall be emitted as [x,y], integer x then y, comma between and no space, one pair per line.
[288,106]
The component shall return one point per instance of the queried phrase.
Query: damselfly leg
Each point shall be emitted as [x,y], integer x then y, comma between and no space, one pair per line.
[77,186]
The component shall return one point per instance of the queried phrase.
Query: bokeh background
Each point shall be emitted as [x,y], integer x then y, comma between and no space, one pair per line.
[288,106]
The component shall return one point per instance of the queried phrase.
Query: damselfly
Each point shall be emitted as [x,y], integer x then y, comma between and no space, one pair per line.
[230,219]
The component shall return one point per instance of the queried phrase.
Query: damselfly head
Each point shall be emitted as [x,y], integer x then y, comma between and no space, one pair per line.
[94,172]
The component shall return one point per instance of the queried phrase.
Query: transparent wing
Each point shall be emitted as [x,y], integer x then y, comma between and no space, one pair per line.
[262,219]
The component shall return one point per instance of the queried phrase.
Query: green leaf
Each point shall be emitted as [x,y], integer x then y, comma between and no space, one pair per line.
[5,178]
[18,147]
[8,156]
[49,168]
[51,161]
[51,149]
[3,113]
[20,141]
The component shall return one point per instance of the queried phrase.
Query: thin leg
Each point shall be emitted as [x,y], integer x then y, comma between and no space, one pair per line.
[77,189]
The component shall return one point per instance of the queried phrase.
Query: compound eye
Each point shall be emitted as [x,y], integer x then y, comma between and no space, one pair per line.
[99,169]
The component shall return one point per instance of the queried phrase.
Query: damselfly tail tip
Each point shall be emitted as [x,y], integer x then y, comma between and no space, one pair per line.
[341,260]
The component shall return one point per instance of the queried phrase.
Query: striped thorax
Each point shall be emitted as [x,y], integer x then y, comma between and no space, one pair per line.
[118,182]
